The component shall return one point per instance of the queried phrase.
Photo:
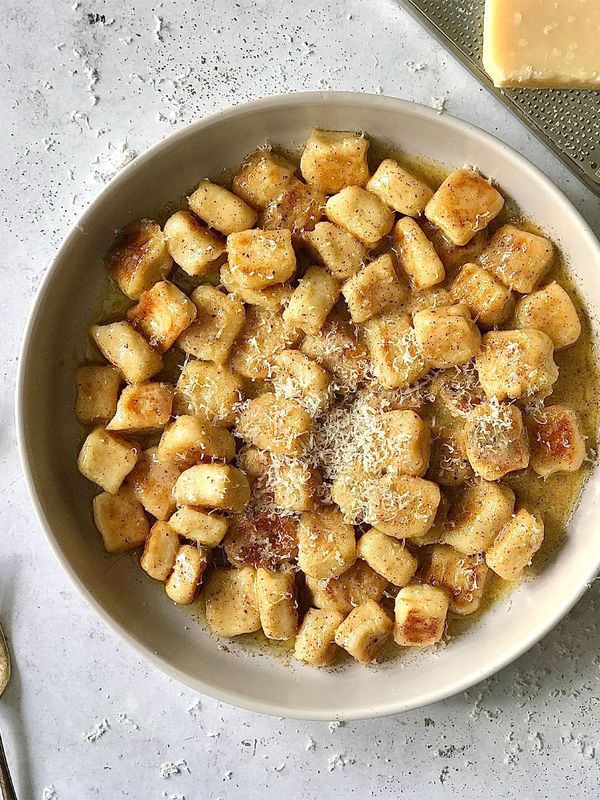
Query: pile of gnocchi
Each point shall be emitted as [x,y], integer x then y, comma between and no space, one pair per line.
[313,437]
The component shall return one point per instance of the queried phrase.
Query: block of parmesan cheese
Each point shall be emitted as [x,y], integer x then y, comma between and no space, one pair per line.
[543,43]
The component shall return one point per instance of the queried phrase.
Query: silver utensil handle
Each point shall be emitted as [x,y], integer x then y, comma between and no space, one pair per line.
[6,785]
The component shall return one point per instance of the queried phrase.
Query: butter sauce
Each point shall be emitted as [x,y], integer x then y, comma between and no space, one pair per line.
[578,386]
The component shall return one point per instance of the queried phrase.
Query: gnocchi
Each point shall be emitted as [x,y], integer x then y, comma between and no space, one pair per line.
[332,160]
[217,321]
[373,289]
[400,190]
[551,311]
[263,177]
[162,314]
[447,336]
[348,590]
[464,204]
[363,631]
[192,245]
[312,300]
[515,545]
[417,256]
[361,214]
[555,440]
[325,430]
[139,258]
[259,259]
[516,364]
[518,258]
[395,357]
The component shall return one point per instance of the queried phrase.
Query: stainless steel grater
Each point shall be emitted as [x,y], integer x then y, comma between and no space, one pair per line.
[566,120]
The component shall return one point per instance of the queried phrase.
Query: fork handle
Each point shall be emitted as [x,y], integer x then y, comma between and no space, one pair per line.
[6,784]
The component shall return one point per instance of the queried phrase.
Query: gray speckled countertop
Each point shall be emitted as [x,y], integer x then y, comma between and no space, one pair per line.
[86,86]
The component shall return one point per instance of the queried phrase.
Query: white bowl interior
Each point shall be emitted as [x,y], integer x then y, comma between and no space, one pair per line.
[135,605]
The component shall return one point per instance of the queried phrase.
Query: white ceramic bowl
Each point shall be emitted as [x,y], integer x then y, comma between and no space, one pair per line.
[136,607]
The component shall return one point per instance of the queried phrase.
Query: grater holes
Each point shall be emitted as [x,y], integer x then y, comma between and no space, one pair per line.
[564,116]
[462,20]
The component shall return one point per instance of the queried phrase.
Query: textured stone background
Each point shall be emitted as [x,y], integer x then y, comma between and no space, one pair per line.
[86,86]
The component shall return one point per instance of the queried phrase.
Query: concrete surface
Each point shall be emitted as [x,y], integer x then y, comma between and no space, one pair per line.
[86,86]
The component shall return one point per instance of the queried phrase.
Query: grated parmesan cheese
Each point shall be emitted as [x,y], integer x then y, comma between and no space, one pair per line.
[170,768]
[493,430]
[97,731]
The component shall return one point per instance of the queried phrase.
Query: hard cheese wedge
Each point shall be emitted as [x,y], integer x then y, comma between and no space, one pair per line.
[544,43]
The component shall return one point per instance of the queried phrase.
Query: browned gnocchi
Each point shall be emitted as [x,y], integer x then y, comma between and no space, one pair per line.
[323,408]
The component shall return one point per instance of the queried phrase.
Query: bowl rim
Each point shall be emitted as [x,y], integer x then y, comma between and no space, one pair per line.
[233,696]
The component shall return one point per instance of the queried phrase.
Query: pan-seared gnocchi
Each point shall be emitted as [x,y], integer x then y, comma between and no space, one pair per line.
[329,410]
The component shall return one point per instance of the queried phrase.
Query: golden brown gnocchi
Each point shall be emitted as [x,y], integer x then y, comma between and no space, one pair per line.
[478,516]
[516,544]
[400,190]
[213,486]
[420,615]
[264,334]
[232,602]
[263,177]
[363,631]
[297,210]
[555,440]
[496,440]
[463,577]
[162,314]
[106,459]
[395,357]
[337,250]
[277,424]
[326,544]
[361,214]
[160,551]
[373,289]
[97,393]
[139,258]
[192,245]
[315,641]
[417,256]
[259,259]
[121,520]
[489,301]
[333,444]
[152,481]
[127,350]
[312,300]
[218,319]
[277,607]
[387,556]
[518,258]
[551,311]
[143,408]
[517,364]
[332,160]
[209,391]
[446,336]
[221,209]
[464,204]
[348,590]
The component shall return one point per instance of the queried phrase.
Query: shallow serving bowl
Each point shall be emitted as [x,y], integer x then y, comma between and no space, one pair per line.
[133,605]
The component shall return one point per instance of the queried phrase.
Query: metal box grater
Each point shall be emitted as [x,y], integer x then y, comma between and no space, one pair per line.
[566,120]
